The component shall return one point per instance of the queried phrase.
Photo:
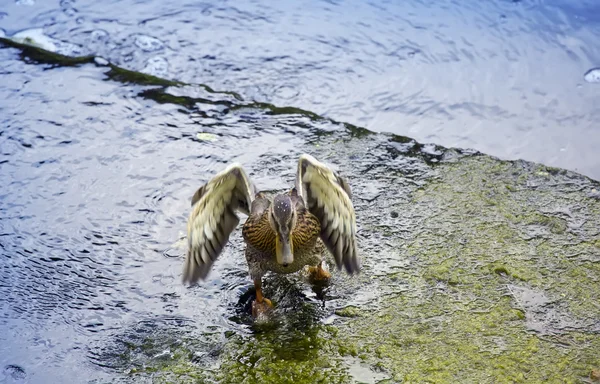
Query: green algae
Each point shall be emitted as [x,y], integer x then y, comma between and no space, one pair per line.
[349,311]
[473,328]
[126,76]
[296,354]
[302,358]
[32,53]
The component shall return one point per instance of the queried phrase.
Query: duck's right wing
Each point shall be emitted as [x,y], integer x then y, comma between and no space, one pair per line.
[327,196]
[213,218]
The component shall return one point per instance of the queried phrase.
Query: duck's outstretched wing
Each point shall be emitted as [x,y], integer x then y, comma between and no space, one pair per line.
[328,197]
[213,218]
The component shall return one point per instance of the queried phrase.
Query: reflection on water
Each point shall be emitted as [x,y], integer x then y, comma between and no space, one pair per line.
[503,77]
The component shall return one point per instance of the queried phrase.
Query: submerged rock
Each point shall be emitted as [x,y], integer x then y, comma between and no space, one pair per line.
[464,287]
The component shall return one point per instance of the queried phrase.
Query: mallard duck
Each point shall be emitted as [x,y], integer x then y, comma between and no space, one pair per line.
[283,234]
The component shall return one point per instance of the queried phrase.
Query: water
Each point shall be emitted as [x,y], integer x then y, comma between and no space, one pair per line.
[504,77]
[97,174]
[97,184]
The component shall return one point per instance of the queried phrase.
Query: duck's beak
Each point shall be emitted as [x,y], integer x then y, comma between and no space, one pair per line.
[283,249]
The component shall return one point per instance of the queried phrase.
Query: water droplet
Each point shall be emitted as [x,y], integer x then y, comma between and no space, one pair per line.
[592,76]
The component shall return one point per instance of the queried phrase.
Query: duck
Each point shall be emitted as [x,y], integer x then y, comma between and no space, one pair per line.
[283,233]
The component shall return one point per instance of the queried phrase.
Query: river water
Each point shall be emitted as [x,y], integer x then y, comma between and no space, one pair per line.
[97,174]
[505,77]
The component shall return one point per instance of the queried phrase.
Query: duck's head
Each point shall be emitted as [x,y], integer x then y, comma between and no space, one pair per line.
[282,216]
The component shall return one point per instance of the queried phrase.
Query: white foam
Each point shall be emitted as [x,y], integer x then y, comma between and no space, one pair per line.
[101,61]
[157,66]
[36,37]
[592,76]
[148,43]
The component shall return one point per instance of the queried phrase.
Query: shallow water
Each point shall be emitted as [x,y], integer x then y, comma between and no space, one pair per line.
[504,77]
[98,178]
[97,173]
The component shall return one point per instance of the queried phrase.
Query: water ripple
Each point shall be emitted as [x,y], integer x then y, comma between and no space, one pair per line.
[322,57]
[98,174]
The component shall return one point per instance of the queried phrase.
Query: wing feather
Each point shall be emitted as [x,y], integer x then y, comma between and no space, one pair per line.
[213,218]
[328,197]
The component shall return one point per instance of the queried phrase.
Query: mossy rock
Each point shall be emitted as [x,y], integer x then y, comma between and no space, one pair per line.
[475,282]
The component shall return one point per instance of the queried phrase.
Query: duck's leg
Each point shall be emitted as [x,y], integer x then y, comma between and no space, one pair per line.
[319,273]
[261,304]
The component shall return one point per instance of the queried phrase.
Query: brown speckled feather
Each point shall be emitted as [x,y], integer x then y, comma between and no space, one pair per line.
[307,230]
[256,230]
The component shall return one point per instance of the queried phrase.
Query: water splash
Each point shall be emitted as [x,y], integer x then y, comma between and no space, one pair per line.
[592,76]
[157,66]
[38,38]
[148,43]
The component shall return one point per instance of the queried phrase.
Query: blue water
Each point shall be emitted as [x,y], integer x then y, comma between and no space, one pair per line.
[86,217]
[504,77]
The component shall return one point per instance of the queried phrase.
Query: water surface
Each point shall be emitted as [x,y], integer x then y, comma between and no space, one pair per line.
[504,77]
[98,170]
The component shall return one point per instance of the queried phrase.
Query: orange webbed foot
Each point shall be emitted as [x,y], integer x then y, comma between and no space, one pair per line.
[318,273]
[261,308]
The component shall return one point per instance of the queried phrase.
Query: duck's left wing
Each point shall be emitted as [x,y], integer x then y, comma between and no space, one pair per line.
[328,197]
[213,218]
